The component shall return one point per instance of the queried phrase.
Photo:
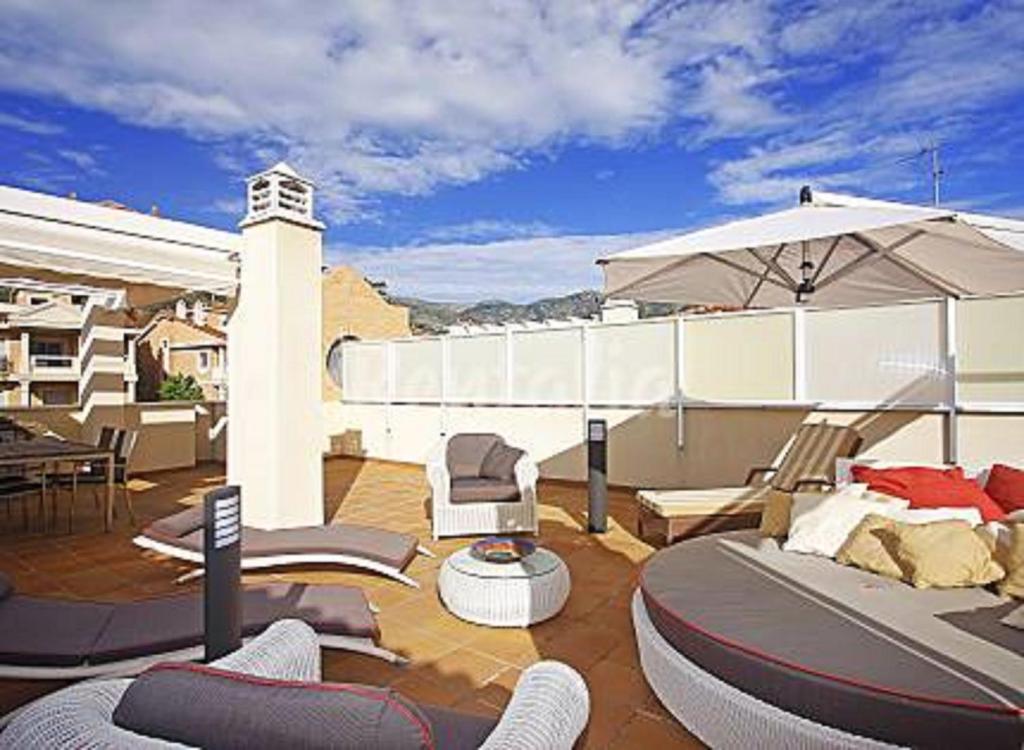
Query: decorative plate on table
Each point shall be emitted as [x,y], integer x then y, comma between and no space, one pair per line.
[498,549]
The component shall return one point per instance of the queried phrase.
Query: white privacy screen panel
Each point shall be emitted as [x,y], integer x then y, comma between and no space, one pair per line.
[739,358]
[632,364]
[365,370]
[417,370]
[547,366]
[477,368]
[990,349]
[881,355]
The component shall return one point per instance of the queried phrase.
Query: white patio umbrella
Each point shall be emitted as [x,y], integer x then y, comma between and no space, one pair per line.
[830,251]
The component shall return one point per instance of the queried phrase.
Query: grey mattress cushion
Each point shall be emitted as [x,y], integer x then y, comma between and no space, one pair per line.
[453,730]
[6,586]
[383,546]
[466,453]
[842,647]
[483,491]
[500,462]
[380,545]
[49,633]
[154,626]
[206,707]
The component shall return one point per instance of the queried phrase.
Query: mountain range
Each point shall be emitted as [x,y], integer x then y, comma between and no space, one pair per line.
[428,317]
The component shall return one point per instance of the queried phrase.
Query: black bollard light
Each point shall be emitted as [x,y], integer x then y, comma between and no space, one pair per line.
[222,587]
[597,475]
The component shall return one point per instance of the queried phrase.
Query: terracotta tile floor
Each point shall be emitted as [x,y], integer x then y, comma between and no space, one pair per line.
[453,663]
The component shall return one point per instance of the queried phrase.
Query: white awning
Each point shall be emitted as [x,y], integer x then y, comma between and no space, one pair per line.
[83,241]
[837,249]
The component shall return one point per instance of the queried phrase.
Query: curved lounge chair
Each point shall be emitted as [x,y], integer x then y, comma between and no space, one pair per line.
[387,552]
[549,708]
[52,639]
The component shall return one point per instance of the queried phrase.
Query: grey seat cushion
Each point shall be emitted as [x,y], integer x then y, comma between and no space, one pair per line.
[380,545]
[202,706]
[467,451]
[49,633]
[481,490]
[500,462]
[166,624]
[457,731]
[387,547]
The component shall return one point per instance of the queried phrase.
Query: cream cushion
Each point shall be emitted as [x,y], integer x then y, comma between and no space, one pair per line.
[1011,557]
[821,525]
[775,515]
[944,554]
[871,546]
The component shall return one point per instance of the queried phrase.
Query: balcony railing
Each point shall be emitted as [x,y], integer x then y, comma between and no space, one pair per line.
[53,364]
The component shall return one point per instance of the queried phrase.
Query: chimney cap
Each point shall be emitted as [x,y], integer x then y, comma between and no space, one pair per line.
[280,193]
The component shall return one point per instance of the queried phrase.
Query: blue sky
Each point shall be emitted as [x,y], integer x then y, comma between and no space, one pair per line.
[493,150]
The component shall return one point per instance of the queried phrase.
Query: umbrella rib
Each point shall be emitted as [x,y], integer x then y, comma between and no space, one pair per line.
[873,253]
[648,276]
[826,259]
[743,269]
[771,264]
[887,253]
[763,278]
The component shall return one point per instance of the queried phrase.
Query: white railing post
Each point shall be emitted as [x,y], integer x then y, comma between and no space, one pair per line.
[445,385]
[679,355]
[952,446]
[389,392]
[509,365]
[585,374]
[799,355]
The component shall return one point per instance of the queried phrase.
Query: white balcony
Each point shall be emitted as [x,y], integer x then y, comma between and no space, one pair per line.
[53,366]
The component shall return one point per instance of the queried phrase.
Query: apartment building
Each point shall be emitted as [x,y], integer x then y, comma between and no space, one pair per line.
[39,344]
[191,340]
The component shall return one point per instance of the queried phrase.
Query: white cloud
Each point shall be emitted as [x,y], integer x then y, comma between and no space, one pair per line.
[28,125]
[81,159]
[393,97]
[487,229]
[382,97]
[520,270]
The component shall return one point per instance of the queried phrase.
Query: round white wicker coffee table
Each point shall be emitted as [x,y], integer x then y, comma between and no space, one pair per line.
[504,595]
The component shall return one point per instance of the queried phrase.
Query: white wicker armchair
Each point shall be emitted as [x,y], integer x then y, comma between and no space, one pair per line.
[452,518]
[548,711]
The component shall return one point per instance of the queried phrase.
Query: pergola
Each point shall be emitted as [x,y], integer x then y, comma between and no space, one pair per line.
[146,260]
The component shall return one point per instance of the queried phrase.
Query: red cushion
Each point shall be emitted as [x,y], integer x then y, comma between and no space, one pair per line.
[930,488]
[1005,485]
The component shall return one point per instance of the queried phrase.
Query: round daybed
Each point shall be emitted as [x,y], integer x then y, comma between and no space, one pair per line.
[749,646]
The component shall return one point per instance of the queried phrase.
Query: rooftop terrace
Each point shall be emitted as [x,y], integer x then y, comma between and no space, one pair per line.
[453,663]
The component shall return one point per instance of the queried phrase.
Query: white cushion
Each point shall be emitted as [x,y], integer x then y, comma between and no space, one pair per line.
[820,525]
[927,515]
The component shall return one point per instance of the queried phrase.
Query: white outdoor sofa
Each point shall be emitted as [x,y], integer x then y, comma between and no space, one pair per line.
[481,485]
[548,710]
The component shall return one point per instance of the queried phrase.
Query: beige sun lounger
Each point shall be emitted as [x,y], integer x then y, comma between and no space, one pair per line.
[387,552]
[665,516]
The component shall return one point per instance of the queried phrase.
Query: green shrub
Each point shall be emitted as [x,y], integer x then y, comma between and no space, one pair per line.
[181,387]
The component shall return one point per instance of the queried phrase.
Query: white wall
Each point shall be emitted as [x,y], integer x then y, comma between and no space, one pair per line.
[741,382]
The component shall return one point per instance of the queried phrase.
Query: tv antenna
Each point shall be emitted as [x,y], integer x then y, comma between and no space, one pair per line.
[937,172]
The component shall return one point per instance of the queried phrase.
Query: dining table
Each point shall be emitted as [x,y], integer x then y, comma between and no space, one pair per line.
[45,449]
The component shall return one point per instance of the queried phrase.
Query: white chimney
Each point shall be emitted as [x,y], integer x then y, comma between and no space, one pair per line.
[181,310]
[619,311]
[199,316]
